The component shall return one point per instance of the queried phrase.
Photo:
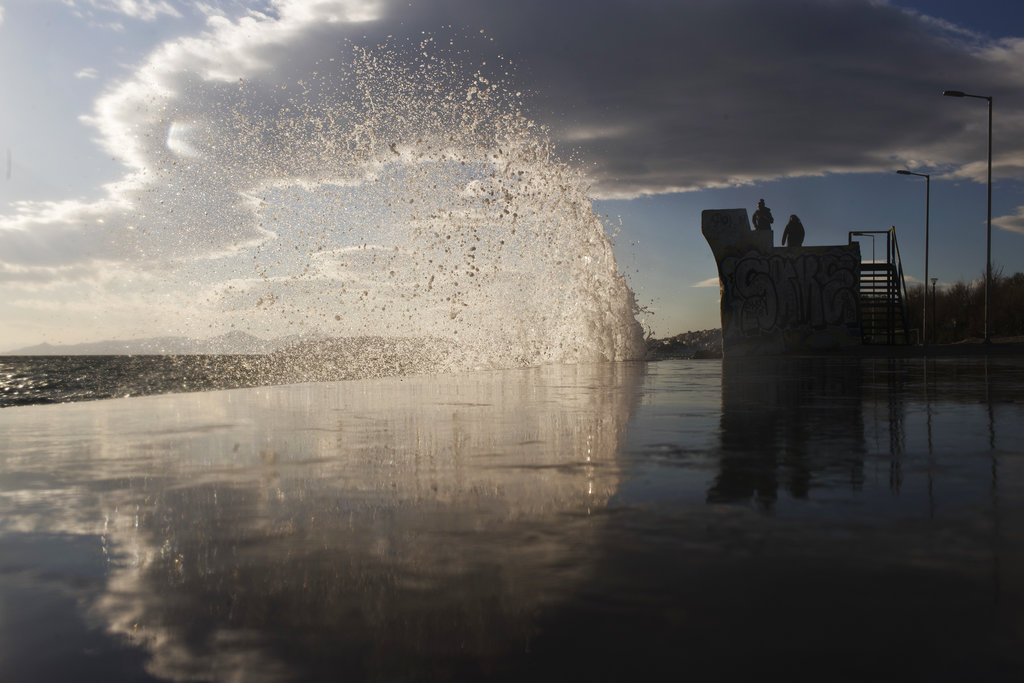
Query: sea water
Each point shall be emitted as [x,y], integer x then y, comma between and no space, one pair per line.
[394,192]
[822,519]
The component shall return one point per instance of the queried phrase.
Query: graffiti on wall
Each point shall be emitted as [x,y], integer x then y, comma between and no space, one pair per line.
[800,291]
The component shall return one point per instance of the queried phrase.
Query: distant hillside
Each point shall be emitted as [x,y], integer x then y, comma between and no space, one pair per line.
[230,343]
[699,344]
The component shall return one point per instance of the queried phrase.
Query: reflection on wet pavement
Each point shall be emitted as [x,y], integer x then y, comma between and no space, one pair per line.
[848,519]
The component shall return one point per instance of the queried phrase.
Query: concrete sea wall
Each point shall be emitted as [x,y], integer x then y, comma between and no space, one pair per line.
[781,299]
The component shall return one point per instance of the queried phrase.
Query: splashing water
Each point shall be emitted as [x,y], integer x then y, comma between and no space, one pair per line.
[398,196]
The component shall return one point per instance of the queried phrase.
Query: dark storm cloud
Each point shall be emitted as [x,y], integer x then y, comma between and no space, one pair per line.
[659,96]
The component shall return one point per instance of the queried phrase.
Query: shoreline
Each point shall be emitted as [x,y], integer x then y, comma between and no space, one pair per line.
[707,344]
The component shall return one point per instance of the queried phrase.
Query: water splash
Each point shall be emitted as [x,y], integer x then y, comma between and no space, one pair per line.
[401,196]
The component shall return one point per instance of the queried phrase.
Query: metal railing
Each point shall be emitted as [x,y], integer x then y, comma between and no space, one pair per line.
[890,298]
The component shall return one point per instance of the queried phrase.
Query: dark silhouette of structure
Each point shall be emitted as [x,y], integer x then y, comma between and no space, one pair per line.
[778,300]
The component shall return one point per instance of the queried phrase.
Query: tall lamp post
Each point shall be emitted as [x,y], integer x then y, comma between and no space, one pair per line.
[927,209]
[988,241]
[934,280]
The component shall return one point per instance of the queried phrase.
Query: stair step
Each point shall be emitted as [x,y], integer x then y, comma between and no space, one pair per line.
[881,304]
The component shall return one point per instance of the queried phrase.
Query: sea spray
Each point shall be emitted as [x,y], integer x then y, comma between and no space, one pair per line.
[399,195]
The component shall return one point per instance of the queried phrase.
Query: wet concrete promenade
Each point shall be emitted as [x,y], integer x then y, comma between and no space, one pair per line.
[814,518]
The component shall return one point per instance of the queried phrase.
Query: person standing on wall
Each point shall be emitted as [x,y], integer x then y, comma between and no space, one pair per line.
[794,232]
[763,218]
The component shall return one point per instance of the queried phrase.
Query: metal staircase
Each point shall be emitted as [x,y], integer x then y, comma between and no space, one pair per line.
[882,293]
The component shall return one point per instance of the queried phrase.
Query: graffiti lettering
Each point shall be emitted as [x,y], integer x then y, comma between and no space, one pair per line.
[807,291]
[721,218]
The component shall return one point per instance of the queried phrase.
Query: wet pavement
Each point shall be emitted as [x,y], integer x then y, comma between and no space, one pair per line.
[833,518]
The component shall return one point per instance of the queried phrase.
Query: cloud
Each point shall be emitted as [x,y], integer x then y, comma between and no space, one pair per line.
[665,97]
[145,10]
[239,136]
[649,98]
[88,72]
[676,96]
[710,282]
[1012,223]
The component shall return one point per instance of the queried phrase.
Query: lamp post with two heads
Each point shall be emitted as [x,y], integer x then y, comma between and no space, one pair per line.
[988,243]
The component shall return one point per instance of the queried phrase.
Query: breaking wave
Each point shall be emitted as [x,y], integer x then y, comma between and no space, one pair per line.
[400,195]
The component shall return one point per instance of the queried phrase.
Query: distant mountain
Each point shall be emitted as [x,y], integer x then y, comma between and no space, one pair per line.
[231,343]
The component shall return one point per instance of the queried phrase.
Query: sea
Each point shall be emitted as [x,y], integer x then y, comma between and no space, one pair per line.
[26,380]
[819,519]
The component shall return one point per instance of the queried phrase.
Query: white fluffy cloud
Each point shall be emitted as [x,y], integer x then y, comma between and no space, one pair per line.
[1014,223]
[146,10]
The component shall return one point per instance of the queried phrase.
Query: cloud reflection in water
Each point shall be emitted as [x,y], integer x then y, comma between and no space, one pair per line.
[373,527]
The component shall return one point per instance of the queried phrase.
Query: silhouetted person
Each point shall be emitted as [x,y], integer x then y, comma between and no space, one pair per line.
[763,217]
[794,232]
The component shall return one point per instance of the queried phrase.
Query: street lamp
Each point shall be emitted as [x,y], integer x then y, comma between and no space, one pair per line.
[927,206]
[988,242]
[934,280]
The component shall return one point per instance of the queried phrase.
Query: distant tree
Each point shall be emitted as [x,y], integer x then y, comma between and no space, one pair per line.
[1006,300]
[959,309]
[915,293]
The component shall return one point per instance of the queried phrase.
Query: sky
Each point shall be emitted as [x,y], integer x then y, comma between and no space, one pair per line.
[132,189]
